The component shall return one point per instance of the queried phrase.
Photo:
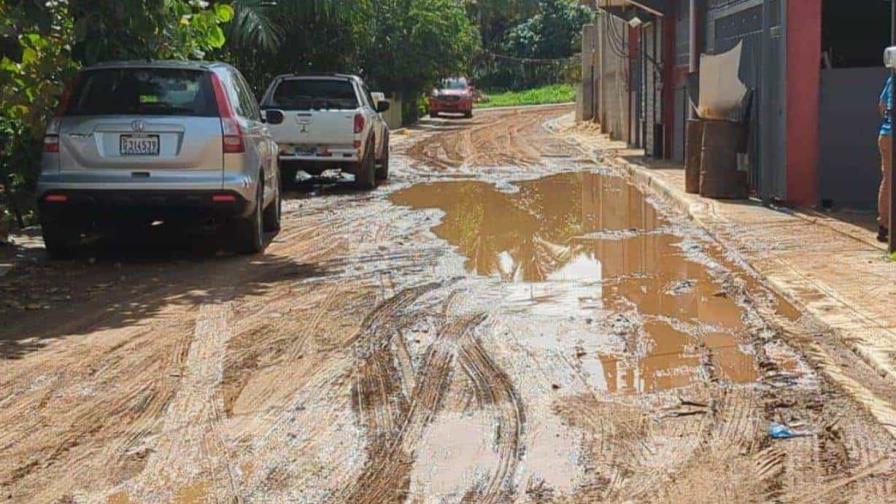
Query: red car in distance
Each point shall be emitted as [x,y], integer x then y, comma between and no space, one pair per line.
[454,95]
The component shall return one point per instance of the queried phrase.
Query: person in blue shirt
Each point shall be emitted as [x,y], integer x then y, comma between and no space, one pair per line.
[885,143]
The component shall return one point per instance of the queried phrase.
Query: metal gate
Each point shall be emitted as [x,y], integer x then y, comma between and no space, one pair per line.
[759,24]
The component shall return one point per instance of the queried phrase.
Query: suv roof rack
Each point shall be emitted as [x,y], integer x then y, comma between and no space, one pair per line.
[323,74]
[155,62]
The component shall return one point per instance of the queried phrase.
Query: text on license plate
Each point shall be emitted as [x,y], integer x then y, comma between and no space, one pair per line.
[139,145]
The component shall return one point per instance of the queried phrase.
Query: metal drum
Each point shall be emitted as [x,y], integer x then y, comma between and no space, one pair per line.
[694,153]
[719,176]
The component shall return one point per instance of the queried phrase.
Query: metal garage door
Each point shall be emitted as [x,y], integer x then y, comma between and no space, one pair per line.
[759,24]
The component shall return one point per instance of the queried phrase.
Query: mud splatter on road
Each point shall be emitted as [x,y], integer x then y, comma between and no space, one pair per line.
[504,321]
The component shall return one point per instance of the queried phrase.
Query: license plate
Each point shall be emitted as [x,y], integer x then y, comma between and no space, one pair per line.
[139,145]
[305,151]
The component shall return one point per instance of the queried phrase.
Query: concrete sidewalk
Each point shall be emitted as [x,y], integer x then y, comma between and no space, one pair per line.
[831,269]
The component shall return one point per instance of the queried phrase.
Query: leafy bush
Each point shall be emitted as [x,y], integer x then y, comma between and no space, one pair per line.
[43,42]
[31,79]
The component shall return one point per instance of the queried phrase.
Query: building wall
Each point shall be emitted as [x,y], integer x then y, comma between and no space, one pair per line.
[652,112]
[614,104]
[586,93]
[681,58]
[848,160]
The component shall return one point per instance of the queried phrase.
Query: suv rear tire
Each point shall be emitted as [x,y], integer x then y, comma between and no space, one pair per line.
[382,172]
[272,214]
[365,176]
[59,240]
[250,230]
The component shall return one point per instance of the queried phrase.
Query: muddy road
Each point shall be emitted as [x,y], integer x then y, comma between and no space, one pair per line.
[505,321]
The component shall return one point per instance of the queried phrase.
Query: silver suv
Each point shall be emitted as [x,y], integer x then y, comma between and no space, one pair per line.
[159,141]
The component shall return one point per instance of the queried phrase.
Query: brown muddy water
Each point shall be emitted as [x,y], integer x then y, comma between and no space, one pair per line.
[594,241]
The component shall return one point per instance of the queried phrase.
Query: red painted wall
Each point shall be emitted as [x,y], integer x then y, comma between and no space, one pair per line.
[803,95]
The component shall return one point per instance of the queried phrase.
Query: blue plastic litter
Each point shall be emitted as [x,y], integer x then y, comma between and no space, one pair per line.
[778,431]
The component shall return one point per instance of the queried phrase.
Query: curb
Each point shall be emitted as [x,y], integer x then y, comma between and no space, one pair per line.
[878,407]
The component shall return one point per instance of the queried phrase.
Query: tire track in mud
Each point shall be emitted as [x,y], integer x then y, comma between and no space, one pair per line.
[502,138]
[191,447]
[494,388]
[394,419]
[386,477]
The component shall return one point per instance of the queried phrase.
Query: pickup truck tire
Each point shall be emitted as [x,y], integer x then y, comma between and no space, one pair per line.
[288,176]
[272,214]
[249,230]
[469,114]
[59,240]
[365,172]
[433,114]
[382,171]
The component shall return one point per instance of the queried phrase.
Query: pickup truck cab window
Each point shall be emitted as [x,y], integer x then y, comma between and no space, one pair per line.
[317,94]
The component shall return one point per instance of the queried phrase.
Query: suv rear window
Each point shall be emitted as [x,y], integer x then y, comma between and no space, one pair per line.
[307,94]
[143,91]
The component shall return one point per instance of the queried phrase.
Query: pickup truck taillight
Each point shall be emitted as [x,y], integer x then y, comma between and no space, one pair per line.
[359,124]
[230,126]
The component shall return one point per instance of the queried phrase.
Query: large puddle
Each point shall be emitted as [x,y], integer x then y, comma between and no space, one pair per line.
[599,234]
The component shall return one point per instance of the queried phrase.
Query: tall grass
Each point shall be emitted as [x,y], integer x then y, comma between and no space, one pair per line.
[555,93]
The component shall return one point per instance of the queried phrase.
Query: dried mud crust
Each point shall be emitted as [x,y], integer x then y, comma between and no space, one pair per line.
[363,360]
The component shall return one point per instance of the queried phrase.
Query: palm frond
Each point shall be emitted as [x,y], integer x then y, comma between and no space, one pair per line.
[254,25]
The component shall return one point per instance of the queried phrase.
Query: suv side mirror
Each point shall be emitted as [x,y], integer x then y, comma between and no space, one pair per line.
[273,116]
[383,105]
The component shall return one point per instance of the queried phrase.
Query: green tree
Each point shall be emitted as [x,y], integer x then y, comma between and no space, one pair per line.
[495,17]
[415,42]
[270,38]
[550,36]
[555,32]
[136,29]
[401,46]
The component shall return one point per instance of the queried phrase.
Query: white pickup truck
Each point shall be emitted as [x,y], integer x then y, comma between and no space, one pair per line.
[330,122]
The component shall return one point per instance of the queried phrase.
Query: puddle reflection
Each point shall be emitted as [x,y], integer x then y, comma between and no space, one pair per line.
[578,241]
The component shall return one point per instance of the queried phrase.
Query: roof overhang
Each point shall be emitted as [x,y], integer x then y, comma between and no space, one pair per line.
[655,7]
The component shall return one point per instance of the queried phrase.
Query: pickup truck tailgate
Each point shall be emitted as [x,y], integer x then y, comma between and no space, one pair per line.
[332,128]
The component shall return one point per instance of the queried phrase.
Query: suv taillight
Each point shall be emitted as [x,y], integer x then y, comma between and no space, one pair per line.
[359,124]
[51,137]
[230,126]
[233,136]
[51,144]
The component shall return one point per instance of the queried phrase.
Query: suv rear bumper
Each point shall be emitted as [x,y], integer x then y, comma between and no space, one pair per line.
[199,181]
[451,106]
[107,206]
